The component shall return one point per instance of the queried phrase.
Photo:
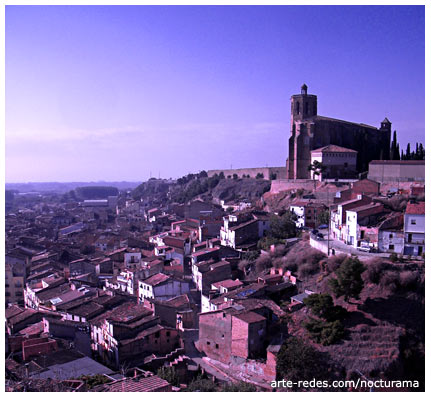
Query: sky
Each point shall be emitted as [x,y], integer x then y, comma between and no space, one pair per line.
[120,93]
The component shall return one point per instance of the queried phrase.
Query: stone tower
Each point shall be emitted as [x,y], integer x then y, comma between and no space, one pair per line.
[309,131]
[302,107]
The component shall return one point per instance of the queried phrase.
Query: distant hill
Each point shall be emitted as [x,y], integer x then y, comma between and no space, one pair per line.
[63,187]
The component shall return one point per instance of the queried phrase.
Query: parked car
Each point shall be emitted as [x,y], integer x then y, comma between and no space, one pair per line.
[323,227]
[320,236]
[314,231]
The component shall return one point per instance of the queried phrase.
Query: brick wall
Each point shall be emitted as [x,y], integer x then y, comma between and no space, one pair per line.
[38,346]
[215,336]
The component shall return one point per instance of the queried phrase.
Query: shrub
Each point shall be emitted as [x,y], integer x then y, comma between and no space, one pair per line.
[238,387]
[251,255]
[280,250]
[325,333]
[297,360]
[308,269]
[393,257]
[349,281]
[334,262]
[389,281]
[408,280]
[263,262]
[170,375]
[374,271]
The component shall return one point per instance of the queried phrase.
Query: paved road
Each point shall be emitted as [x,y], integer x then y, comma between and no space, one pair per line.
[348,249]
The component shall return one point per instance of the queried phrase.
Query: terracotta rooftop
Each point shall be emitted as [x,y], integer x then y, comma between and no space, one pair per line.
[416,208]
[250,317]
[156,279]
[12,311]
[228,284]
[150,384]
[333,149]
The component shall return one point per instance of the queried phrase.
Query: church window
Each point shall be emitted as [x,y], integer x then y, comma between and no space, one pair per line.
[314,109]
[306,108]
[297,107]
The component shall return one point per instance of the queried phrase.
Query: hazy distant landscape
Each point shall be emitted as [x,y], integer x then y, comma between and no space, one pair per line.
[63,187]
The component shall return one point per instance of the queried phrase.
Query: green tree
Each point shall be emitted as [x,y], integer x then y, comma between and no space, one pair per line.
[203,174]
[235,176]
[240,386]
[170,375]
[319,304]
[408,154]
[325,333]
[259,175]
[282,227]
[201,384]
[317,168]
[323,218]
[349,281]
[297,361]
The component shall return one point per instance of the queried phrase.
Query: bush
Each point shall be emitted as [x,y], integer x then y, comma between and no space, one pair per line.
[390,281]
[250,255]
[393,257]
[349,281]
[263,263]
[375,271]
[238,387]
[201,384]
[334,262]
[170,375]
[325,333]
[297,360]
[408,280]
[280,250]
[308,269]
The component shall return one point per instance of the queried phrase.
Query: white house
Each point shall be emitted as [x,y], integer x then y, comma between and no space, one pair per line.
[162,287]
[360,216]
[339,162]
[298,209]
[414,229]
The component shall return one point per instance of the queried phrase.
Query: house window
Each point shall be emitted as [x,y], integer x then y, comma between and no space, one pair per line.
[410,238]
[413,222]
[391,235]
[391,247]
[224,315]
[216,345]
[157,334]
[168,333]
[208,343]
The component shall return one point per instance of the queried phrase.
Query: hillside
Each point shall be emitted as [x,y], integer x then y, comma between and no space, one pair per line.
[194,186]
[384,329]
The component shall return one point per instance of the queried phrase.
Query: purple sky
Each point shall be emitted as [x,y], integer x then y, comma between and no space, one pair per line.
[116,92]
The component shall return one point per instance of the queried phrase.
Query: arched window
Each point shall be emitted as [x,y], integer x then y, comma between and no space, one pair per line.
[297,107]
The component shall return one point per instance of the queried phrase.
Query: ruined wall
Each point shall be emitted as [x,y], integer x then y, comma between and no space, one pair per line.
[407,171]
[280,172]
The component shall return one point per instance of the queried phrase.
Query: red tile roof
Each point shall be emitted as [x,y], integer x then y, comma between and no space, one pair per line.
[156,279]
[416,208]
[334,149]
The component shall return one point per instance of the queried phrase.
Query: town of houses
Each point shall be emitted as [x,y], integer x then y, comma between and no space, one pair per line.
[117,288]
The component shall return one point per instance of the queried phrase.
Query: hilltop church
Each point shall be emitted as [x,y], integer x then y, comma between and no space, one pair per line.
[311,133]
